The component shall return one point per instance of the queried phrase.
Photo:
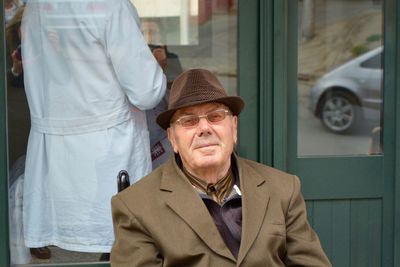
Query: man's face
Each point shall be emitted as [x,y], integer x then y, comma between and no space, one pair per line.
[205,145]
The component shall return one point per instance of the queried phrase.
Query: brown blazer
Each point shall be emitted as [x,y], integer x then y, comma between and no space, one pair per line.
[162,221]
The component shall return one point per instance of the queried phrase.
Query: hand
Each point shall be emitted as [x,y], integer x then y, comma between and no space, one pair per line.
[54,39]
[161,57]
[17,67]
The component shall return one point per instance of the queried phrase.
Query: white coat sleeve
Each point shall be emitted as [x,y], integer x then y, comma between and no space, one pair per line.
[136,69]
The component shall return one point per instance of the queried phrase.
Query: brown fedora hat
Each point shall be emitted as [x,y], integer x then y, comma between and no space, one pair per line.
[197,86]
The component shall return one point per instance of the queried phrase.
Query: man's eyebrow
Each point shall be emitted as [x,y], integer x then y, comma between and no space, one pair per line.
[186,112]
[191,111]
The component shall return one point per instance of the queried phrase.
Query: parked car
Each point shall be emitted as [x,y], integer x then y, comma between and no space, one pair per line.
[346,96]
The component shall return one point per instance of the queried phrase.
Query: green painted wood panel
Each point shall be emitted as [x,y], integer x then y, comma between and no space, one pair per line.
[366,229]
[350,230]
[341,233]
[322,219]
[340,177]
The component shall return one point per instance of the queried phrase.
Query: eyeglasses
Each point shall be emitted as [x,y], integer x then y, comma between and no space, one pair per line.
[212,117]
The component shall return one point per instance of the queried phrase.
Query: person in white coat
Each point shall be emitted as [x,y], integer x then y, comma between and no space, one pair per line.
[89,75]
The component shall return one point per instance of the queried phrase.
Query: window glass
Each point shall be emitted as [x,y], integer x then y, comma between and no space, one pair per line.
[78,39]
[373,63]
[340,77]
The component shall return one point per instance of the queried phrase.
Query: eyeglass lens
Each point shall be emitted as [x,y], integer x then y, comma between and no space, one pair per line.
[192,120]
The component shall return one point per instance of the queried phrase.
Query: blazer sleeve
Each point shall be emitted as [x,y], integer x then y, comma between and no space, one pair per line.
[133,246]
[303,245]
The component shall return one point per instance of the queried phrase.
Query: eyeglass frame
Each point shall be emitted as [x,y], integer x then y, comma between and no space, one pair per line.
[199,117]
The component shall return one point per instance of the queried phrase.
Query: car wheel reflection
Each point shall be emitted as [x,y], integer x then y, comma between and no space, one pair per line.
[339,112]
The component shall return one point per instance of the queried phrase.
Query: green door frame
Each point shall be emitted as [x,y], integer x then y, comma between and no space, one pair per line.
[391,138]
[248,62]
[394,15]
[256,80]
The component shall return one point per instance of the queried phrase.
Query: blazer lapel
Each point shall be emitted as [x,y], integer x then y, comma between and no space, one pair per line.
[255,201]
[187,204]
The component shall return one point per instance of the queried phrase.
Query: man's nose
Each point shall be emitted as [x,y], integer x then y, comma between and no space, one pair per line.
[203,127]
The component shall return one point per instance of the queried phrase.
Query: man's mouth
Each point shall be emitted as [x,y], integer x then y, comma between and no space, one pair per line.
[204,145]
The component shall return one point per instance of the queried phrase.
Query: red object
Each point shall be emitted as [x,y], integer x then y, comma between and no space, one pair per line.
[18,54]
[205,11]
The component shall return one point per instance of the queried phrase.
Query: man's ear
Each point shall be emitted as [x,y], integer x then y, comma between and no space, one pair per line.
[171,138]
[234,128]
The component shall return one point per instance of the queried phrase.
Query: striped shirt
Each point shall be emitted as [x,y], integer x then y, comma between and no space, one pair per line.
[219,191]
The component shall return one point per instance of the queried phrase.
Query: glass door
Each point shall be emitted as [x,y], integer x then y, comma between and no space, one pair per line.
[339,133]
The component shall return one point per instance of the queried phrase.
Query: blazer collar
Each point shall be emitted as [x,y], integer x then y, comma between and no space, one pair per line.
[187,204]
[255,198]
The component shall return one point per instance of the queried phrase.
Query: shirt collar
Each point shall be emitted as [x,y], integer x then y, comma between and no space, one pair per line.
[218,191]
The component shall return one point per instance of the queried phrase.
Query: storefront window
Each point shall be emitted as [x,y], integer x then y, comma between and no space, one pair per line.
[197,33]
[69,50]
[340,77]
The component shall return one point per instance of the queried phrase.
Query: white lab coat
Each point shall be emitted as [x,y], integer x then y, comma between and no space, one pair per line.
[88,75]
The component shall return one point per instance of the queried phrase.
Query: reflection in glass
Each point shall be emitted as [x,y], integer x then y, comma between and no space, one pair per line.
[173,22]
[340,77]
[193,33]
[199,33]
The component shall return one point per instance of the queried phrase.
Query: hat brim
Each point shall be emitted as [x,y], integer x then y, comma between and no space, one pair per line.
[234,103]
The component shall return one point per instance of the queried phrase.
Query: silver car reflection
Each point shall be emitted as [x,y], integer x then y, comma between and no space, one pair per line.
[349,94]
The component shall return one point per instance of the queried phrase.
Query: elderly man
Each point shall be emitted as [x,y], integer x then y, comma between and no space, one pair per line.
[206,206]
